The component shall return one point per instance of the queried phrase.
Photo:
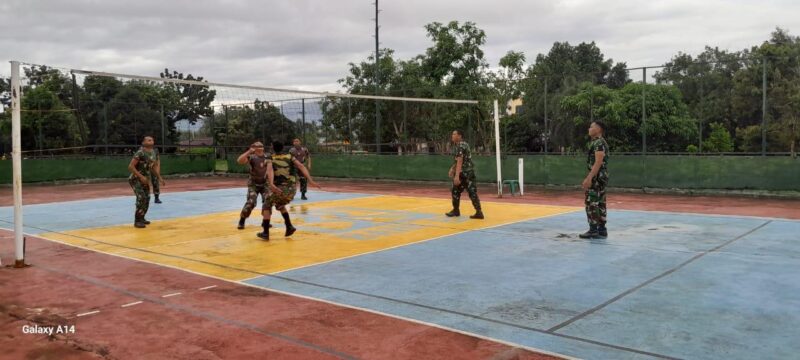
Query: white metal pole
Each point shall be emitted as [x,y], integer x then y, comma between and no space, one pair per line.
[16,159]
[521,177]
[497,149]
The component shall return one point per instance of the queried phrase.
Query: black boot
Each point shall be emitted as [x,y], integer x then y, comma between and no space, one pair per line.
[303,196]
[138,222]
[478,215]
[602,233]
[158,201]
[145,221]
[264,234]
[455,212]
[289,228]
[591,234]
[241,224]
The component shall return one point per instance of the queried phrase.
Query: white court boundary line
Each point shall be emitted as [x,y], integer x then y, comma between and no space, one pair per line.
[242,283]
[414,243]
[182,217]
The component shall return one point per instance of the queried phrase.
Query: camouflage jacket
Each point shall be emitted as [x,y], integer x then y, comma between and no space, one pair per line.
[462,149]
[598,144]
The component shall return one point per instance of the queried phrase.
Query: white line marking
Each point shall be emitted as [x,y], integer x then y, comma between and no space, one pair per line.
[462,332]
[131,304]
[530,348]
[418,242]
[171,295]
[207,287]
[88,313]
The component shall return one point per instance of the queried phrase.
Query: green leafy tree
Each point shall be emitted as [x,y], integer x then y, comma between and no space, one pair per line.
[130,117]
[452,67]
[48,123]
[669,126]
[719,139]
[705,83]
[260,121]
[559,74]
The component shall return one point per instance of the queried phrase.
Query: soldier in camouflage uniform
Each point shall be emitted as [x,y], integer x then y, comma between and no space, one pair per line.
[302,155]
[463,174]
[282,168]
[595,183]
[256,160]
[140,167]
[155,177]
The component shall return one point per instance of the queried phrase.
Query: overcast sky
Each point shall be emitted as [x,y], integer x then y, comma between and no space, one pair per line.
[306,44]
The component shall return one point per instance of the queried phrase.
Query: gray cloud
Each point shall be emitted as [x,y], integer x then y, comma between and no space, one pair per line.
[307,44]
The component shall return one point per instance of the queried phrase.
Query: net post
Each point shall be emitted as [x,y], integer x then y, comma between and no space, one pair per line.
[497,149]
[16,158]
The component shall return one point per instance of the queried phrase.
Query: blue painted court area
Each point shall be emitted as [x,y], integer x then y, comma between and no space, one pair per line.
[662,286]
[72,215]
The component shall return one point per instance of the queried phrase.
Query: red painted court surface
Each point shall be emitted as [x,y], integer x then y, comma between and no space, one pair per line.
[154,312]
[127,309]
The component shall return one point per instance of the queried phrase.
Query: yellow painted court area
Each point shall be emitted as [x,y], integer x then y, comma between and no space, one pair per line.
[210,244]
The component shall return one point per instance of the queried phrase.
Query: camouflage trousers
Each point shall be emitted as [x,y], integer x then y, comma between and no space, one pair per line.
[468,184]
[253,191]
[156,185]
[279,201]
[303,184]
[596,202]
[142,192]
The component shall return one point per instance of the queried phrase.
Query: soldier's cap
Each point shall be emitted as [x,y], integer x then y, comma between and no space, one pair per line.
[257,144]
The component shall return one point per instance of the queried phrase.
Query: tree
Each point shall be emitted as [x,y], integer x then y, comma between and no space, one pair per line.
[181,101]
[5,92]
[130,117]
[669,126]
[705,83]
[260,121]
[452,67]
[517,134]
[783,52]
[507,80]
[719,140]
[187,102]
[558,74]
[48,123]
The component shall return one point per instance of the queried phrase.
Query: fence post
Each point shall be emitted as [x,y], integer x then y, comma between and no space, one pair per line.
[39,127]
[700,118]
[644,111]
[350,125]
[105,126]
[764,108]
[303,115]
[164,129]
[405,137]
[546,124]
